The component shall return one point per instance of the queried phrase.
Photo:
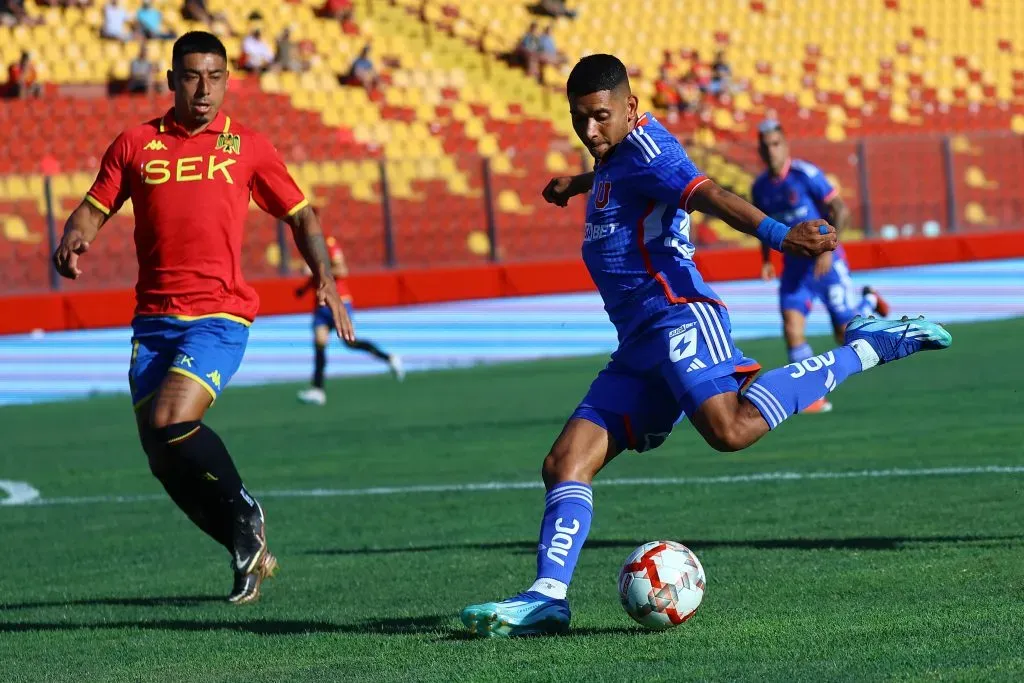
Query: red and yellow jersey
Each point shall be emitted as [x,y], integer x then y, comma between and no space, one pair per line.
[190,196]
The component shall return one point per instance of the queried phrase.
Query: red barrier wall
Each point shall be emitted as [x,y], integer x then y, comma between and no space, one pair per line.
[71,309]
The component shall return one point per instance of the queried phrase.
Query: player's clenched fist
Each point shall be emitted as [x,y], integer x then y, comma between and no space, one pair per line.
[559,191]
[65,259]
[810,238]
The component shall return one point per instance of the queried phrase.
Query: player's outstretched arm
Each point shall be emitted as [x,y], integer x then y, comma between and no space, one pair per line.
[309,238]
[83,225]
[560,190]
[809,238]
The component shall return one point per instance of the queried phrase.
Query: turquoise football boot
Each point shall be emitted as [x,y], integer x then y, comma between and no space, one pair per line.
[891,340]
[526,614]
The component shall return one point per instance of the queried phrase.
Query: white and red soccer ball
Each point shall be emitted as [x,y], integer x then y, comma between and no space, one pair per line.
[661,584]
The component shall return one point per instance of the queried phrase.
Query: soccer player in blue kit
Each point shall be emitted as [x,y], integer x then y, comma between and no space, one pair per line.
[675,356]
[792,191]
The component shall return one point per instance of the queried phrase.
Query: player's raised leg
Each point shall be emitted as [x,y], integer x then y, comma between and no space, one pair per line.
[731,422]
[393,361]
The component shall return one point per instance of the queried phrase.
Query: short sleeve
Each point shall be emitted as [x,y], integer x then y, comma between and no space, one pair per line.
[664,171]
[273,188]
[111,188]
[818,186]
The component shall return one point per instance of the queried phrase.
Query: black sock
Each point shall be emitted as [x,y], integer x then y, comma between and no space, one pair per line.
[319,363]
[369,347]
[205,512]
[203,455]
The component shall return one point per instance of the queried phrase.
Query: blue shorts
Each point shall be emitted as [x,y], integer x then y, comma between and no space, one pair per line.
[322,316]
[798,289]
[654,381]
[209,350]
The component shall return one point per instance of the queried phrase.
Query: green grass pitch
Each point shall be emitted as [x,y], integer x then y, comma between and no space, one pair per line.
[863,578]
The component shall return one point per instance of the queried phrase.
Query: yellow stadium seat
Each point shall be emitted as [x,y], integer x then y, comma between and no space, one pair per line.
[509,202]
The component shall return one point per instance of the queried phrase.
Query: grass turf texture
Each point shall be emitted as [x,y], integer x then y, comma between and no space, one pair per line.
[881,578]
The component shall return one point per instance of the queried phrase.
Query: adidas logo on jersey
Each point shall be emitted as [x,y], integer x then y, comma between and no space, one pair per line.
[155,145]
[697,364]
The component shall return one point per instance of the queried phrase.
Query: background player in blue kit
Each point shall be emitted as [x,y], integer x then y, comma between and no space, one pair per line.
[675,356]
[791,191]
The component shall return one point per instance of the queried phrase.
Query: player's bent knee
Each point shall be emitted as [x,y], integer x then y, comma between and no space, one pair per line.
[564,463]
[729,423]
[728,439]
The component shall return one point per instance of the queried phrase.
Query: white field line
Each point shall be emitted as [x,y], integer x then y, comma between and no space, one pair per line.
[21,493]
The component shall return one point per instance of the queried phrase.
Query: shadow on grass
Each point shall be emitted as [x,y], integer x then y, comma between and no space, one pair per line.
[270,627]
[171,601]
[851,543]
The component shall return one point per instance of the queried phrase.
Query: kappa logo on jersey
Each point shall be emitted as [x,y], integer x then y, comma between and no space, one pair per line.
[602,194]
[230,143]
[155,145]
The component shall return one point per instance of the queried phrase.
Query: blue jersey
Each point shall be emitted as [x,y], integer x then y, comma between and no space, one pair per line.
[637,240]
[801,194]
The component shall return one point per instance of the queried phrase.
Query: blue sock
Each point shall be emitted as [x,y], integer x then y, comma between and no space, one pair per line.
[799,353]
[781,392]
[568,510]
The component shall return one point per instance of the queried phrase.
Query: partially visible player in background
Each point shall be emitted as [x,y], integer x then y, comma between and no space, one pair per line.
[190,174]
[323,324]
[792,191]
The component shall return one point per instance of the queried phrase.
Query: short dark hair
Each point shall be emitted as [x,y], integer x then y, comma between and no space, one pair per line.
[197,42]
[595,73]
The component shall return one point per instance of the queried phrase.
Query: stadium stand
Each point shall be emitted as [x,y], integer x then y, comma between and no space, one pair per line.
[862,84]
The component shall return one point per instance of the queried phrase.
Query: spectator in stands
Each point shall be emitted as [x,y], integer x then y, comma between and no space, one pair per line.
[547,53]
[690,94]
[114,19]
[21,78]
[257,56]
[151,22]
[336,9]
[197,10]
[721,76]
[12,13]
[552,8]
[141,72]
[288,57]
[666,92]
[701,72]
[528,50]
[362,71]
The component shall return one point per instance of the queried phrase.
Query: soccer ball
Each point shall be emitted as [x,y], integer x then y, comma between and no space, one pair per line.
[661,584]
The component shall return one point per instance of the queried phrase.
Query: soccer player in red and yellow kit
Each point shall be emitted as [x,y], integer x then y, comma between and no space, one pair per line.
[323,321]
[190,175]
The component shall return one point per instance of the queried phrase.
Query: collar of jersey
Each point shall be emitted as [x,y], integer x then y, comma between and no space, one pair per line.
[220,124]
[785,172]
[641,120]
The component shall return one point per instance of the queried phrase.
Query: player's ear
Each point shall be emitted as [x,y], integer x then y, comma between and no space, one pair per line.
[170,80]
[632,106]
